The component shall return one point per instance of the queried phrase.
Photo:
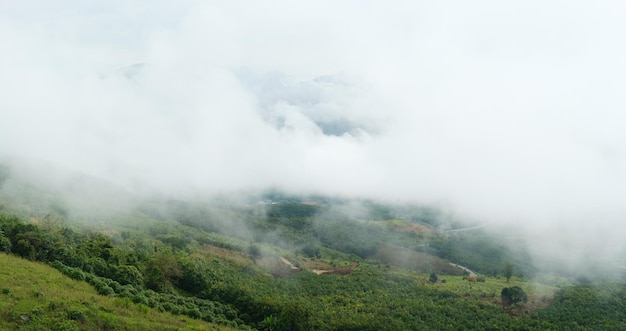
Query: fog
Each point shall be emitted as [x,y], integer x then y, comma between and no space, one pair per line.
[507,113]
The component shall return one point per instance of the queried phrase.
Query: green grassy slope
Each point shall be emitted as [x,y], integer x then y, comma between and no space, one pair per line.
[34,296]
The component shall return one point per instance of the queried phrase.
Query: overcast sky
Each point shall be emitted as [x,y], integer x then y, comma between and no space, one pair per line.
[505,111]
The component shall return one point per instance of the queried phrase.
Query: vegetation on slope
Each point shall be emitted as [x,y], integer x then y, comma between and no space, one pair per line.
[36,297]
[298,264]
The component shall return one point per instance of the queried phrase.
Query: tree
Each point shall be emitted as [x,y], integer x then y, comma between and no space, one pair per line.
[128,274]
[311,250]
[512,295]
[508,271]
[5,243]
[296,316]
[433,277]
[254,251]
[270,323]
[161,271]
[197,276]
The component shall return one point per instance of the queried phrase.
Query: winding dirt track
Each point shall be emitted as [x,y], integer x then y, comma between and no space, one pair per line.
[287,262]
[468,229]
[471,273]
[316,271]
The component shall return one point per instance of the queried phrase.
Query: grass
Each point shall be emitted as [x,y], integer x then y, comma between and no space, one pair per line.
[539,295]
[34,296]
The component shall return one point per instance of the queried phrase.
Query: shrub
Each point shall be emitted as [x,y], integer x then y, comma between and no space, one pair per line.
[128,274]
[77,274]
[167,306]
[57,265]
[89,278]
[76,315]
[117,287]
[36,311]
[5,244]
[123,302]
[513,295]
[38,294]
[68,325]
[143,309]
[311,250]
[104,289]
[194,313]
[254,251]
[140,299]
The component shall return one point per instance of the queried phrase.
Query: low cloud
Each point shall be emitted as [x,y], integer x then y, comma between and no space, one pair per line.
[509,113]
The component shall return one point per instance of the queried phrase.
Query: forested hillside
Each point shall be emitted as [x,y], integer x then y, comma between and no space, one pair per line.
[279,262]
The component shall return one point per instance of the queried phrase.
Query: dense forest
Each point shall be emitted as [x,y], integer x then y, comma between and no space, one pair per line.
[275,261]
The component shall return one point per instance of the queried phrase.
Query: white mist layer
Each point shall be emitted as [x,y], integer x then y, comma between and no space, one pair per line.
[506,113]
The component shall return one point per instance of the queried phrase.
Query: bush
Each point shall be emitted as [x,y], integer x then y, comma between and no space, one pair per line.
[117,287]
[168,306]
[194,313]
[52,306]
[513,295]
[311,250]
[67,325]
[254,251]
[76,315]
[5,244]
[76,274]
[128,274]
[140,299]
[104,289]
[38,294]
[90,278]
[143,309]
[57,265]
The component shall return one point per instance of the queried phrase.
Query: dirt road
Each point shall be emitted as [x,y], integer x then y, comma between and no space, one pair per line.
[287,262]
[468,229]
[471,273]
